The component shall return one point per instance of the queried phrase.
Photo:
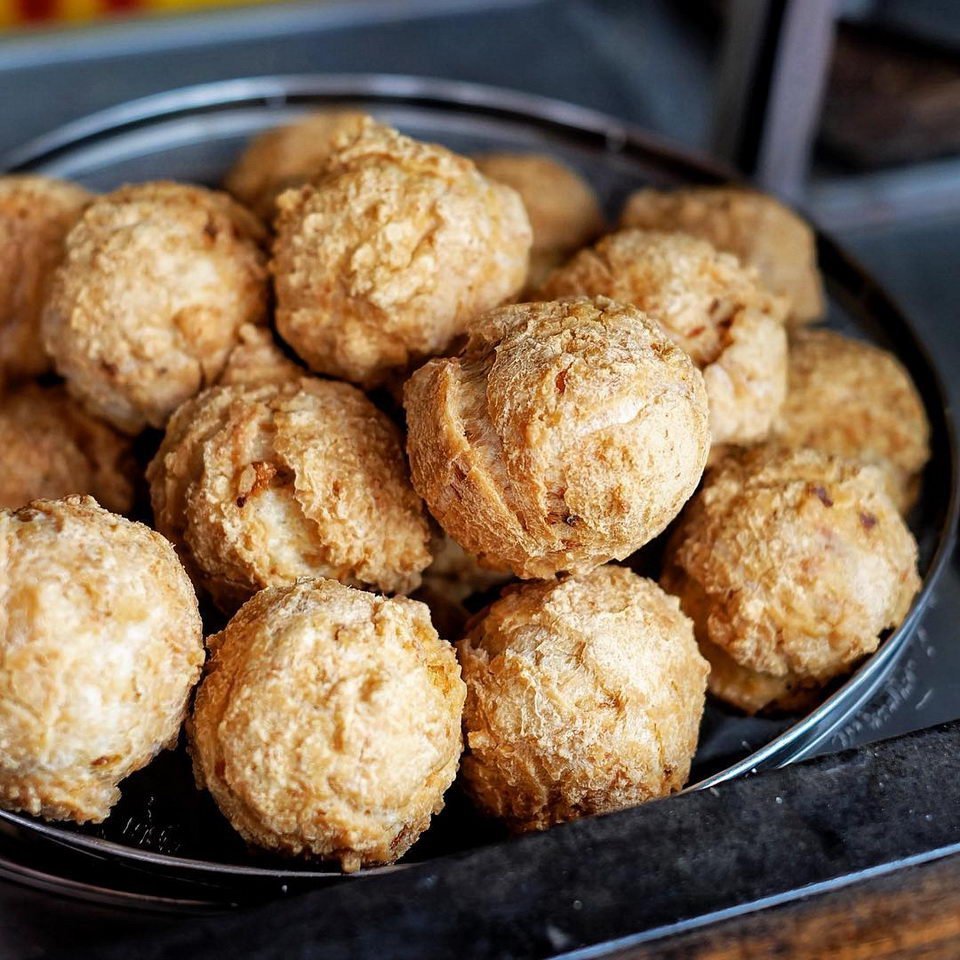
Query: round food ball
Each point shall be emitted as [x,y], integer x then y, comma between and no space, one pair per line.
[144,310]
[583,696]
[257,359]
[755,692]
[328,722]
[563,208]
[49,448]
[853,399]
[100,645]
[258,486]
[286,157]
[391,254]
[566,435]
[35,215]
[755,228]
[792,563]
[707,304]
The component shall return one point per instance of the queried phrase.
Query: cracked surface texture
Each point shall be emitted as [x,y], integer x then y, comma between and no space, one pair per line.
[258,486]
[50,448]
[383,696]
[563,208]
[100,646]
[156,282]
[792,563]
[708,305]
[855,400]
[392,254]
[567,434]
[583,696]
[36,213]
[286,157]
[755,228]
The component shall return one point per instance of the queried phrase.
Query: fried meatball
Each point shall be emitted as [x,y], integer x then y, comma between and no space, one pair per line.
[144,310]
[49,448]
[388,257]
[328,722]
[35,215]
[563,208]
[257,359]
[708,305]
[567,434]
[453,577]
[754,227]
[792,563]
[583,696]
[258,486]
[754,692]
[855,400]
[286,157]
[100,645]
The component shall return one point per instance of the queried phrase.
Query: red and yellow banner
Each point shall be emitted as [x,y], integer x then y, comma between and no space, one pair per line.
[25,12]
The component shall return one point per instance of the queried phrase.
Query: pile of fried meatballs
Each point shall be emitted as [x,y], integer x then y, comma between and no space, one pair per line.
[375,380]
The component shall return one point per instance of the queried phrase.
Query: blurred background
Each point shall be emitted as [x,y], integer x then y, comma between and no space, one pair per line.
[848,108]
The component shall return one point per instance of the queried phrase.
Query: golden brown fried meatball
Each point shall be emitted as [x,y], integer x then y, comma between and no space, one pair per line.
[257,360]
[708,305]
[328,722]
[754,227]
[754,692]
[563,208]
[49,448]
[583,696]
[286,157]
[792,563]
[144,310]
[261,485]
[35,215]
[100,645]
[567,434]
[855,400]
[388,257]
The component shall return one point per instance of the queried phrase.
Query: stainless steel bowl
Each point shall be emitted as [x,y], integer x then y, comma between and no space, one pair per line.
[164,838]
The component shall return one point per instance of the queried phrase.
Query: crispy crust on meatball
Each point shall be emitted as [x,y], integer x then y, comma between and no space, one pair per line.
[36,214]
[853,399]
[453,577]
[145,308]
[51,448]
[792,562]
[286,157]
[390,255]
[708,305]
[101,645]
[583,696]
[754,227]
[754,692]
[566,435]
[257,360]
[563,208]
[328,722]
[261,485]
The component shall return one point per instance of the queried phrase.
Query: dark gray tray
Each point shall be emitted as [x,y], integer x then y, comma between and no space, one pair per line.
[162,825]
